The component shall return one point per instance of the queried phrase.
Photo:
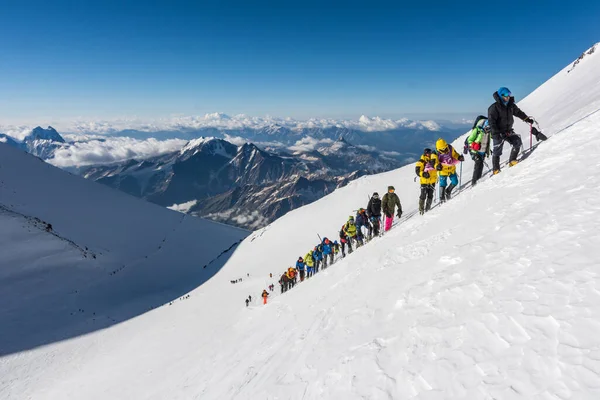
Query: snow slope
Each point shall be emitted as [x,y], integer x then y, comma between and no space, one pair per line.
[495,295]
[108,258]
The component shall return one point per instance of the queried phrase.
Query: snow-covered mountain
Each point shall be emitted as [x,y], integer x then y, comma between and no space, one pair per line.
[40,142]
[244,186]
[77,256]
[494,295]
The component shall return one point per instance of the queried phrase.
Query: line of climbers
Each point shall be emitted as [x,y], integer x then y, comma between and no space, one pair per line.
[433,166]
[355,232]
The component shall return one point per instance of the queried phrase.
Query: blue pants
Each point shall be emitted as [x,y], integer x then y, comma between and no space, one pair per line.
[444,180]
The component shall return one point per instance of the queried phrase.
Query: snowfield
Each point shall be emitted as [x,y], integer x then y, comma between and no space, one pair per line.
[107,258]
[494,295]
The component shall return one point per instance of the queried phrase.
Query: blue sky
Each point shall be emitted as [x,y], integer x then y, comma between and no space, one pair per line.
[109,59]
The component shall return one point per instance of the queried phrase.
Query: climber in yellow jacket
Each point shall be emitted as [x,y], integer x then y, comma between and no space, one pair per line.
[446,166]
[425,169]
[309,261]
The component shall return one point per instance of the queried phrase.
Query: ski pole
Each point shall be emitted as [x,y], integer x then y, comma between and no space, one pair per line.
[320,240]
[530,136]
[460,178]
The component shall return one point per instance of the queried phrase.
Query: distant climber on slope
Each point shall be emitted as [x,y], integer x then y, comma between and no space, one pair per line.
[446,166]
[374,213]
[361,221]
[425,170]
[348,233]
[291,274]
[327,252]
[309,261]
[301,268]
[317,256]
[500,116]
[264,295]
[478,145]
[388,206]
[336,248]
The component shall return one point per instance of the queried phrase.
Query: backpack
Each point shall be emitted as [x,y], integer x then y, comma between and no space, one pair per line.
[475,124]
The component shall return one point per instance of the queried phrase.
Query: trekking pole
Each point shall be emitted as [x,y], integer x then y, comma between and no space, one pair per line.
[460,178]
[530,136]
[320,240]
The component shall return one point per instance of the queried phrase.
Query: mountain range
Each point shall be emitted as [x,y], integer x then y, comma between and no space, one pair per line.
[241,185]
[274,166]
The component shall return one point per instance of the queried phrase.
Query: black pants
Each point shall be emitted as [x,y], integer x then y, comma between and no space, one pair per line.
[301,275]
[426,195]
[349,244]
[317,264]
[513,140]
[478,168]
[325,256]
[375,223]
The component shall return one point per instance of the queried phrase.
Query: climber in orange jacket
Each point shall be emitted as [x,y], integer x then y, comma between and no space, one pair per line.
[265,294]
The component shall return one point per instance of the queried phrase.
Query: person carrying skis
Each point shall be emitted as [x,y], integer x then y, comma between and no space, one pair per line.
[300,267]
[264,295]
[446,167]
[374,213]
[310,264]
[478,144]
[361,220]
[388,205]
[327,252]
[500,116]
[425,170]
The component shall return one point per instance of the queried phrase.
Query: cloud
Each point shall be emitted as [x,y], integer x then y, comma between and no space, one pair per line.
[237,140]
[111,150]
[307,144]
[16,132]
[223,121]
[374,149]
[183,207]
[251,220]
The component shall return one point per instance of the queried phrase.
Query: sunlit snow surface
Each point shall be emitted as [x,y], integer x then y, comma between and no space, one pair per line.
[494,295]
